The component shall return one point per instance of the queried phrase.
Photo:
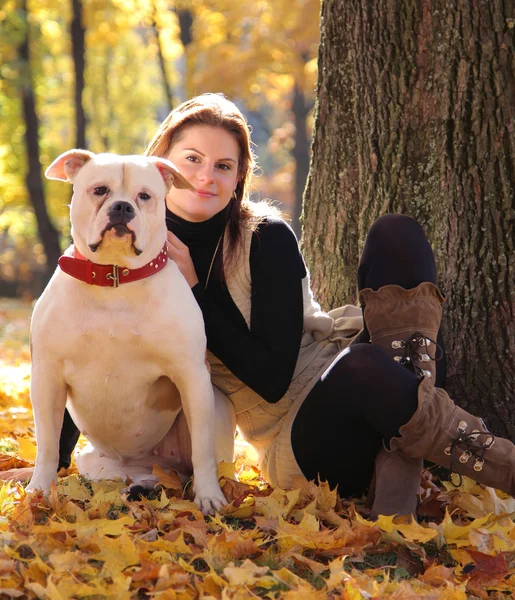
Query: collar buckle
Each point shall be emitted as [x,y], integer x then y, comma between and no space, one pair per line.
[114,276]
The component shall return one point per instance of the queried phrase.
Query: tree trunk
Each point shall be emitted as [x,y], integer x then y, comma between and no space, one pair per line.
[300,152]
[185,18]
[34,182]
[416,103]
[78,52]
[167,86]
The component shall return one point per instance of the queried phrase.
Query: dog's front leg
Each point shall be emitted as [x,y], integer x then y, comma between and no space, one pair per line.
[48,395]
[198,404]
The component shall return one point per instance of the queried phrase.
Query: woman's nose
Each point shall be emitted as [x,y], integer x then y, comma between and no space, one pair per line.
[207,173]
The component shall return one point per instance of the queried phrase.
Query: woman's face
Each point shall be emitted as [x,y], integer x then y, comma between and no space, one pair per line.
[208,157]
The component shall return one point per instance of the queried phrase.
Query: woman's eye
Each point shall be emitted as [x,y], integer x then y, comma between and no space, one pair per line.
[144,196]
[101,190]
[192,158]
[224,167]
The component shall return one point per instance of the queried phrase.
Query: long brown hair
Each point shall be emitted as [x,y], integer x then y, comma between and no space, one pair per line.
[216,110]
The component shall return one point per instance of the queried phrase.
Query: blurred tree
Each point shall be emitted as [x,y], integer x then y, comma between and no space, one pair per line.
[415,115]
[78,52]
[167,86]
[47,232]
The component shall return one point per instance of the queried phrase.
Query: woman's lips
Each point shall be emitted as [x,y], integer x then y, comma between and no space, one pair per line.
[204,193]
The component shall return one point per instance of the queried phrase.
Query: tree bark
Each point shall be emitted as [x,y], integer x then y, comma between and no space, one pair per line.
[78,52]
[415,115]
[34,182]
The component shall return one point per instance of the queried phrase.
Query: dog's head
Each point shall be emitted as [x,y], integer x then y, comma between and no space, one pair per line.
[118,204]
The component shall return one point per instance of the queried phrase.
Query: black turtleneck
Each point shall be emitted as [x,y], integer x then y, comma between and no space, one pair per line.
[263,357]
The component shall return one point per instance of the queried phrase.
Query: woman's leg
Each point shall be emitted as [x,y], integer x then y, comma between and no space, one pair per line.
[363,398]
[402,310]
[397,252]
[67,441]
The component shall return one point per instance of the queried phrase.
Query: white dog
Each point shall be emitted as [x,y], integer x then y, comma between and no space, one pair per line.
[118,338]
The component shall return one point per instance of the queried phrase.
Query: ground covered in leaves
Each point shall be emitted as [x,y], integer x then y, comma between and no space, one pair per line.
[87,540]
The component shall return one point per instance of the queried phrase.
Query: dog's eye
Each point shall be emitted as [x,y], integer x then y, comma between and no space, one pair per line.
[144,196]
[101,190]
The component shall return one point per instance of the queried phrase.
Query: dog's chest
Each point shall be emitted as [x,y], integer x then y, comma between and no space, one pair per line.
[107,342]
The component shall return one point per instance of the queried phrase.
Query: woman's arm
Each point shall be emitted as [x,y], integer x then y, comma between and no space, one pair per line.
[264,358]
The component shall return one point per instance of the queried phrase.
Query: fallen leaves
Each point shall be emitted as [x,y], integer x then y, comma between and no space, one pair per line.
[88,540]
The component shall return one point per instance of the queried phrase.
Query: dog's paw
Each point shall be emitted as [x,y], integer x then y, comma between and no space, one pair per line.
[210,498]
[36,486]
[42,480]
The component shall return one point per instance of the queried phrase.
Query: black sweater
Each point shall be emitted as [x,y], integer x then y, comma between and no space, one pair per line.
[263,357]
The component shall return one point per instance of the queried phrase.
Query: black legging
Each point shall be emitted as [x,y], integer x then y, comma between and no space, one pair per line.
[365,396]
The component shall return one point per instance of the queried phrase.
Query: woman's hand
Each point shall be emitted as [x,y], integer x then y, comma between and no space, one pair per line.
[180,254]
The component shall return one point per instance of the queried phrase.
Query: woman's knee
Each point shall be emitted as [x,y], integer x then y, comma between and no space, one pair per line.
[398,252]
[388,230]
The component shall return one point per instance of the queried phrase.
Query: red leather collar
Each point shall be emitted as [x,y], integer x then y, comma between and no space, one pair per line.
[108,275]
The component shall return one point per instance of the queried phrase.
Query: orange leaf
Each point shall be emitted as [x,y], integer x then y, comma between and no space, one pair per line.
[437,575]
[168,480]
[148,570]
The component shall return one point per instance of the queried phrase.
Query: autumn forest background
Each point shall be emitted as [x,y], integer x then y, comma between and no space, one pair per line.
[103,74]
[358,108]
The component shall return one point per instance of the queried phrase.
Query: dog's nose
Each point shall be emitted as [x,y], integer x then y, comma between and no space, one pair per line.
[121,212]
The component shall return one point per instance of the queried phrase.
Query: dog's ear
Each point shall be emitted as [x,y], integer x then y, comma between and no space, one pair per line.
[66,166]
[171,174]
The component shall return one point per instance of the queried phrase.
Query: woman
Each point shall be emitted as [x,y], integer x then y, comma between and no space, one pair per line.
[310,398]
[308,393]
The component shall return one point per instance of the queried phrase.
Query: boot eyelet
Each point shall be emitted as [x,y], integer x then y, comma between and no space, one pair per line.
[474,435]
[424,357]
[448,450]
[462,426]
[426,373]
[398,359]
[478,465]
[396,344]
[465,456]
[489,442]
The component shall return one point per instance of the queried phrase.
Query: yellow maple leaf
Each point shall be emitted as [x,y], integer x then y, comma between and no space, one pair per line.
[28,449]
[246,574]
[117,554]
[326,497]
[98,527]
[385,523]
[309,523]
[417,533]
[459,534]
[73,489]
[177,546]
[278,504]
[226,469]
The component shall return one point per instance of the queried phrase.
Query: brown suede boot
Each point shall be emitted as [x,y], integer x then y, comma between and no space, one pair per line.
[396,484]
[444,433]
[405,323]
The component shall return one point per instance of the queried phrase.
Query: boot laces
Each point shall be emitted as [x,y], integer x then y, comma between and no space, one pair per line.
[473,445]
[416,352]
